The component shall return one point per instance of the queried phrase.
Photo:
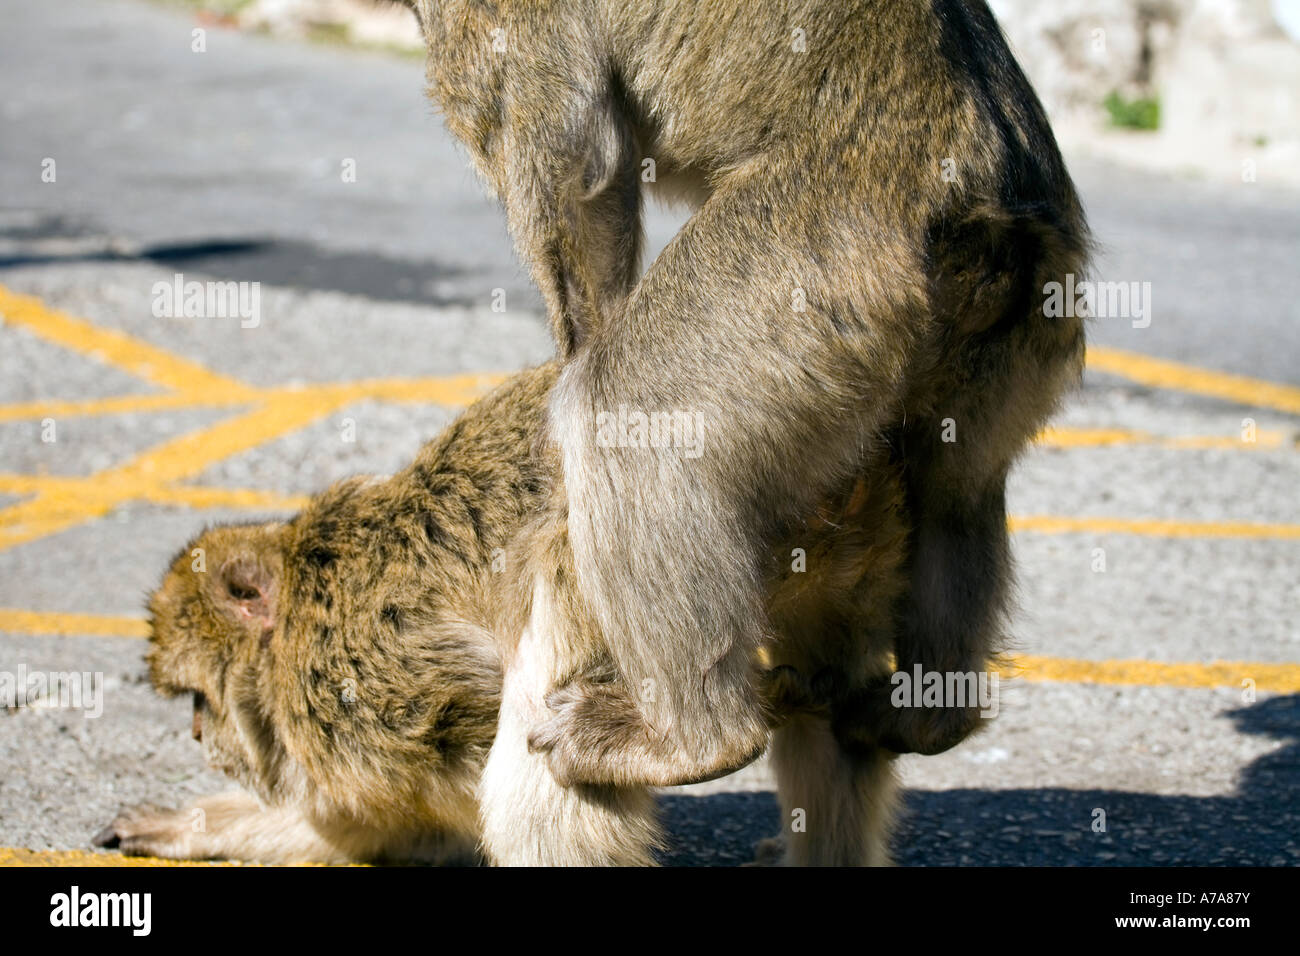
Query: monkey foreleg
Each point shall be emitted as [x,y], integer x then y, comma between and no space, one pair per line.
[231,826]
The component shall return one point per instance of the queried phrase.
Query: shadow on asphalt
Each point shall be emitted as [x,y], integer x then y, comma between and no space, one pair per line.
[291,263]
[1259,825]
[281,262]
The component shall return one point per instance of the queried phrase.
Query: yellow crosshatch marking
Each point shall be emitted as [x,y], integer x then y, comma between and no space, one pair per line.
[1144,527]
[99,625]
[1161,373]
[58,503]
[1109,437]
[16,856]
[137,358]
[51,504]
[1268,678]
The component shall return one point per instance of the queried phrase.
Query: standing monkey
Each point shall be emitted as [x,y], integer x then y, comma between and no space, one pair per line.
[880,203]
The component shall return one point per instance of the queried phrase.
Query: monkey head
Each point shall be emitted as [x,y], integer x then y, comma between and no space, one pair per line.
[211,621]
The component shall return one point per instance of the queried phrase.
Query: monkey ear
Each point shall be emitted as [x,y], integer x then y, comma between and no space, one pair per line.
[249,591]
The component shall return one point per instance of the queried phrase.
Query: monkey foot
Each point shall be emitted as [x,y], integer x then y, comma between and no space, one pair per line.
[146,830]
[868,717]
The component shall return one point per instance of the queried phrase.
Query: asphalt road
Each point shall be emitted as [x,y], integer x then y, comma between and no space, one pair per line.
[228,165]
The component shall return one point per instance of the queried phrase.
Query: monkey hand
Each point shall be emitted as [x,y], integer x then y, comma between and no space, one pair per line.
[146,830]
[598,735]
[595,731]
[868,717]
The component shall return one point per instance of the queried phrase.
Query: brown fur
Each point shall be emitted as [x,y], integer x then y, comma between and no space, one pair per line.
[346,670]
[641,607]
[898,171]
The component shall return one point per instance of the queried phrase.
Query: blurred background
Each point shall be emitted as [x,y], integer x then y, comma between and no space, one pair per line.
[1214,82]
[283,150]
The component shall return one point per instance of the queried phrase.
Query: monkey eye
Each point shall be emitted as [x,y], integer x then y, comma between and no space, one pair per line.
[196,728]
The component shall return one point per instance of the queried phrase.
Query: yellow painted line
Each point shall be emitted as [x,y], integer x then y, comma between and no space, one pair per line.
[117,405]
[96,625]
[189,496]
[16,856]
[1047,524]
[454,391]
[1264,441]
[63,505]
[129,354]
[44,516]
[251,499]
[1107,437]
[1273,678]
[1088,437]
[190,454]
[26,484]
[1161,373]
[62,502]
[186,496]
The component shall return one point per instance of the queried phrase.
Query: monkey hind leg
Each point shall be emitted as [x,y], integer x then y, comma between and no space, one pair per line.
[951,625]
[757,421]
[837,807]
[991,389]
